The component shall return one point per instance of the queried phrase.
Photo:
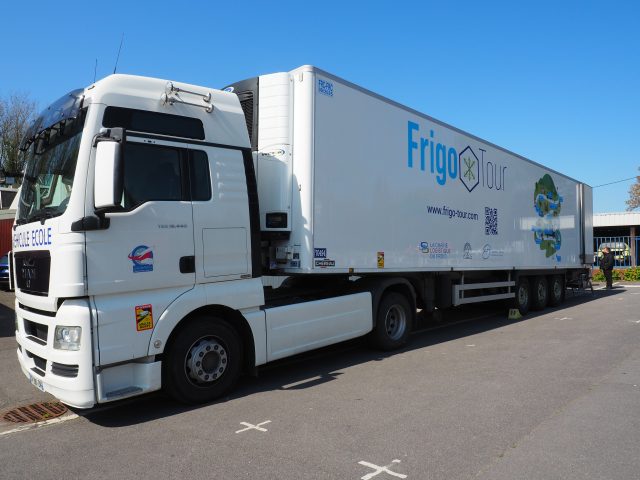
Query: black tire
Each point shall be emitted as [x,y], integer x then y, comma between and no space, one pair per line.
[394,320]
[203,362]
[522,300]
[540,293]
[556,290]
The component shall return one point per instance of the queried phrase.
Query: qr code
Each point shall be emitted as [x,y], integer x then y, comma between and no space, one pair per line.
[325,88]
[490,221]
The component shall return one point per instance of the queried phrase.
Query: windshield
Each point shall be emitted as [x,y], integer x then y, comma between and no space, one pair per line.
[50,165]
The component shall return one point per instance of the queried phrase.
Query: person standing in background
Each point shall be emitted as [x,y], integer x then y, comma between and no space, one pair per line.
[606,264]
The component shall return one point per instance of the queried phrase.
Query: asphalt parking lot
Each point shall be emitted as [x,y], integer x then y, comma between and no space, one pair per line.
[555,395]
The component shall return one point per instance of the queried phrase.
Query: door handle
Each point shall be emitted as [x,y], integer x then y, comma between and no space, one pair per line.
[188,264]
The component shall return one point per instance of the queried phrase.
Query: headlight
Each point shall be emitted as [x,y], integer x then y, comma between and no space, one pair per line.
[67,338]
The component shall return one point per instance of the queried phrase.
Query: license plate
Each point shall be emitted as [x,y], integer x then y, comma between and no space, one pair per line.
[36,382]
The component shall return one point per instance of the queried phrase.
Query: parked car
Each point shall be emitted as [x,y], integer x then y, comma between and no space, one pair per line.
[621,251]
[4,271]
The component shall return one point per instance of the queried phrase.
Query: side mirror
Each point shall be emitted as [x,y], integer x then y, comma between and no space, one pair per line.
[108,182]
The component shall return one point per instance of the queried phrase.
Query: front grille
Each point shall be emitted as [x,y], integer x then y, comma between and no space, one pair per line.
[41,363]
[69,371]
[36,331]
[45,313]
[32,271]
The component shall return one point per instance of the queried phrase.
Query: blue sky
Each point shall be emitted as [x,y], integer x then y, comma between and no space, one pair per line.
[557,82]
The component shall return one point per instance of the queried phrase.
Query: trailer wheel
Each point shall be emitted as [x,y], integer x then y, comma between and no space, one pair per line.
[522,299]
[394,320]
[540,293]
[556,290]
[203,362]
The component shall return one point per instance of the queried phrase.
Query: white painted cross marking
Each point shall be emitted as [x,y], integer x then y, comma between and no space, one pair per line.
[379,470]
[637,321]
[563,318]
[253,427]
[471,345]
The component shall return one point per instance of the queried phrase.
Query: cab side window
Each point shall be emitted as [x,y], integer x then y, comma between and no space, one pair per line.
[160,173]
[151,172]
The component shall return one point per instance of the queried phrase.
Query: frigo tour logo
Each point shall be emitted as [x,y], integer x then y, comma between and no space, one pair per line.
[426,154]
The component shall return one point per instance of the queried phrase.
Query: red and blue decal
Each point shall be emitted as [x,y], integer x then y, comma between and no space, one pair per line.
[142,258]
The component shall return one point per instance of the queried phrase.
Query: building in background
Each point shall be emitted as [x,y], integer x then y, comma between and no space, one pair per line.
[617,231]
[8,206]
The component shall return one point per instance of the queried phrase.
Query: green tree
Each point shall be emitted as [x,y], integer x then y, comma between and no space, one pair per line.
[17,111]
[634,195]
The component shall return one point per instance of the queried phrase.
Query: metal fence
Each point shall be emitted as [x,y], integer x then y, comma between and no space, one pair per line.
[625,250]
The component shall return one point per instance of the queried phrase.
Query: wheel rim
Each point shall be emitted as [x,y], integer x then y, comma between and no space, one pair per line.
[395,322]
[206,360]
[542,292]
[557,289]
[523,295]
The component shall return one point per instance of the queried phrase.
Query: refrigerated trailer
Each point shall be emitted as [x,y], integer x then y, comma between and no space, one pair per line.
[155,215]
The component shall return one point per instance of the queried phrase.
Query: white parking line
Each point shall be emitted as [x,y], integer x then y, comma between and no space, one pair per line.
[44,423]
[301,382]
[619,285]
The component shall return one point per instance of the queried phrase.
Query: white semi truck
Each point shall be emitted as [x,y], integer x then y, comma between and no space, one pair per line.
[152,214]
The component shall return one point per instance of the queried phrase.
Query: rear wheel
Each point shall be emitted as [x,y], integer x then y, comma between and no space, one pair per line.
[203,362]
[394,320]
[522,299]
[540,293]
[556,290]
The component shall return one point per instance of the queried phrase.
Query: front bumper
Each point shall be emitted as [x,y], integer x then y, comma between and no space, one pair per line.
[68,375]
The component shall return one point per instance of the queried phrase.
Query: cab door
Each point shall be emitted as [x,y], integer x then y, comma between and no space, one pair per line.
[222,228]
[141,261]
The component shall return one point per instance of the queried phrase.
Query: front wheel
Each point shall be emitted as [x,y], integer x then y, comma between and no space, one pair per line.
[394,320]
[204,361]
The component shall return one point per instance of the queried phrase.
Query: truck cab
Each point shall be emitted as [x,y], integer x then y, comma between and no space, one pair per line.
[93,281]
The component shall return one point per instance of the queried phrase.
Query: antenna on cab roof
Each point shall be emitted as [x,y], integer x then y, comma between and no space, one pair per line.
[118,57]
